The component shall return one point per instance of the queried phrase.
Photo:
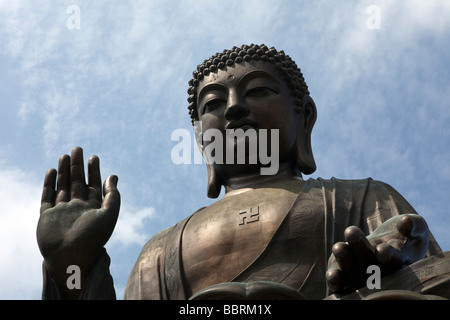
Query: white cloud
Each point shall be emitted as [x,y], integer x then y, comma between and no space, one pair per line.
[20,259]
[130,227]
[429,15]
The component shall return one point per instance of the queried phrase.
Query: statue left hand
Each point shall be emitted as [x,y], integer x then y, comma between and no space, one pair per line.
[399,241]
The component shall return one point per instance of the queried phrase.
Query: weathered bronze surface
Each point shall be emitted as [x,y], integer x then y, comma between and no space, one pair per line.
[271,236]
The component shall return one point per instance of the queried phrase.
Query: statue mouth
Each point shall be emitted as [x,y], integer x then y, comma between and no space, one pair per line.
[243,124]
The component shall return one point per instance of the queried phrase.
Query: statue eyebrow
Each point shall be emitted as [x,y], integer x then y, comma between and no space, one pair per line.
[241,82]
[210,87]
[253,74]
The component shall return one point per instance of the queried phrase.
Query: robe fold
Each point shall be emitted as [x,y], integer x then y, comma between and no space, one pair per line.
[297,255]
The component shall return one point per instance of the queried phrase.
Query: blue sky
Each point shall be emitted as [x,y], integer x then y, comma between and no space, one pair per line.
[117,85]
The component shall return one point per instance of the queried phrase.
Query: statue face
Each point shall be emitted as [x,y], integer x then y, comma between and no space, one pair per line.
[249,95]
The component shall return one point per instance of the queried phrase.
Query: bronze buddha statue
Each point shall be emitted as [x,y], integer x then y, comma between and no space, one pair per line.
[271,235]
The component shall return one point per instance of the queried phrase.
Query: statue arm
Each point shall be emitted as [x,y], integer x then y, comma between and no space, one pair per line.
[398,206]
[77,218]
[385,230]
[382,202]
[157,273]
[98,286]
[146,279]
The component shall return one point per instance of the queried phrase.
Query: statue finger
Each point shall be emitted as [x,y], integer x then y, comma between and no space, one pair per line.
[335,279]
[415,229]
[78,181]
[353,272]
[111,202]
[94,180]
[48,190]
[63,182]
[412,226]
[344,258]
[388,257]
[363,251]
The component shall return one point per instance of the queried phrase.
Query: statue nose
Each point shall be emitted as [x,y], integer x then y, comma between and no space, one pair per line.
[236,107]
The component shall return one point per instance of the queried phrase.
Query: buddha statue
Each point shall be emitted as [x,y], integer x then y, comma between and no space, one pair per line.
[271,236]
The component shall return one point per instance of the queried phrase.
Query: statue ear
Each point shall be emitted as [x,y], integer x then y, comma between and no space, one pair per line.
[304,157]
[214,182]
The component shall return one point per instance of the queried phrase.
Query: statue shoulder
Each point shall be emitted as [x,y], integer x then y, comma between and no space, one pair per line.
[146,270]
[161,240]
[365,203]
[148,260]
[355,185]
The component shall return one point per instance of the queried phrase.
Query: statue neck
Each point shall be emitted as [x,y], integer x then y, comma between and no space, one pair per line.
[286,171]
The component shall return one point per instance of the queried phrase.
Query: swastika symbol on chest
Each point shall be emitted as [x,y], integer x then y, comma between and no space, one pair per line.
[249,215]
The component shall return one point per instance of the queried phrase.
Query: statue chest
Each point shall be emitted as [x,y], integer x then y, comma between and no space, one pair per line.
[222,240]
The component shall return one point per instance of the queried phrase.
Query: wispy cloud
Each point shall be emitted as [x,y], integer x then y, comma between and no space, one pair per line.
[131,226]
[20,259]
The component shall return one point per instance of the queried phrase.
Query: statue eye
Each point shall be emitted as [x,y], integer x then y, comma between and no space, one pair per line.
[260,92]
[212,104]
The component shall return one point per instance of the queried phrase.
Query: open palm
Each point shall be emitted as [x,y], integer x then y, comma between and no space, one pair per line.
[75,220]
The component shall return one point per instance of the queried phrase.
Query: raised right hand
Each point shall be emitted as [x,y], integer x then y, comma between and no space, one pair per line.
[75,220]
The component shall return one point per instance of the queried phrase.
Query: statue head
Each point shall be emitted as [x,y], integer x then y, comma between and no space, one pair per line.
[254,87]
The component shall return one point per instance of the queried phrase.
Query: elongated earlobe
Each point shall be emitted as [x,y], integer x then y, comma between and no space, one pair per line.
[304,156]
[214,182]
